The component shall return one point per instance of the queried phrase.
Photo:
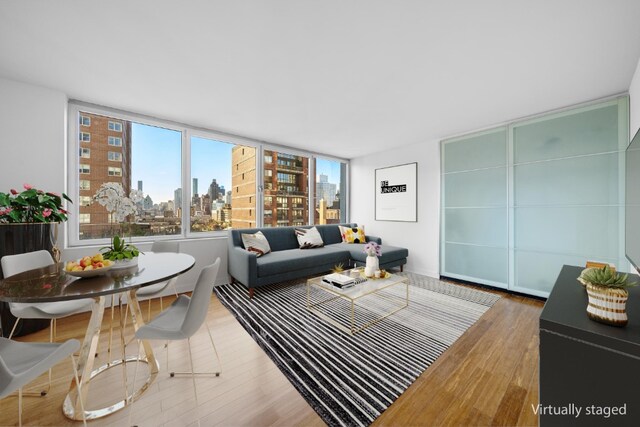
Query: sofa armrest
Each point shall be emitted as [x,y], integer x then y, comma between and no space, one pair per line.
[243,266]
[376,239]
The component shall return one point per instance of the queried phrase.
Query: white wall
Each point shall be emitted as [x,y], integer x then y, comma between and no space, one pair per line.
[634,103]
[33,150]
[421,237]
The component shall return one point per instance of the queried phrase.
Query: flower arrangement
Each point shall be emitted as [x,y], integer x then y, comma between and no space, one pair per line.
[111,195]
[32,206]
[372,249]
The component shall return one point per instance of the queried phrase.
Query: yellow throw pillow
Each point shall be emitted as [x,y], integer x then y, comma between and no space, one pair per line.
[353,234]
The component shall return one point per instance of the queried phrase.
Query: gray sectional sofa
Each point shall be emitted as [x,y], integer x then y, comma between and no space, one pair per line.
[287,261]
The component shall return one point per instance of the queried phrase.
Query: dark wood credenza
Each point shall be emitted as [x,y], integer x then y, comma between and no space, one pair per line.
[587,364]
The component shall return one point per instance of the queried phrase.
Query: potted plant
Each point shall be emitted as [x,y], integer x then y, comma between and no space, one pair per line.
[607,292]
[28,222]
[120,252]
[111,195]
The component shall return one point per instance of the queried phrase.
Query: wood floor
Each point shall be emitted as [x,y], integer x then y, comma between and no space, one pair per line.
[488,377]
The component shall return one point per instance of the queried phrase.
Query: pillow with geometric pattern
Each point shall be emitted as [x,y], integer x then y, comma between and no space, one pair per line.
[352,234]
[309,238]
[256,243]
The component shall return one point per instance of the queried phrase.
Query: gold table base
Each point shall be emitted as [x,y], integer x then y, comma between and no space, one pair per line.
[339,294]
[71,406]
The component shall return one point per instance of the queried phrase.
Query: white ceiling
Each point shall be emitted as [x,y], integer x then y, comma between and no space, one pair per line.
[343,77]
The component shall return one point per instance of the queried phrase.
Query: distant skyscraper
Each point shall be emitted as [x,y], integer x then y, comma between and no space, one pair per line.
[325,190]
[177,198]
[214,190]
[195,186]
[139,185]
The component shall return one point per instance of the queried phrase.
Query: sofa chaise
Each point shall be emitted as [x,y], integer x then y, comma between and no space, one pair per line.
[287,261]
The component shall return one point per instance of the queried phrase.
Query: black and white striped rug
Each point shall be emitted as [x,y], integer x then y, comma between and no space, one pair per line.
[351,380]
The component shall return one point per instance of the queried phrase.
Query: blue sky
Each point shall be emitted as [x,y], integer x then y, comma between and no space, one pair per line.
[156,161]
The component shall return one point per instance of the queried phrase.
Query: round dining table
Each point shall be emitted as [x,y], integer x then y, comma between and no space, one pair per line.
[53,284]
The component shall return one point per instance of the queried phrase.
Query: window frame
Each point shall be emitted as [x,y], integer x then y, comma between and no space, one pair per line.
[75,108]
[110,122]
[114,138]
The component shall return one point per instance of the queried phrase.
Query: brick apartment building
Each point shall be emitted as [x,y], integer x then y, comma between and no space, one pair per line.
[105,156]
[286,189]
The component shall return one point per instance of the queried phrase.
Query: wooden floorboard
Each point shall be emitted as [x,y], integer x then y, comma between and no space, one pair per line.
[488,377]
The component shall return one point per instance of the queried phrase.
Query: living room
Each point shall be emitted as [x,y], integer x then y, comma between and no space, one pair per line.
[365,86]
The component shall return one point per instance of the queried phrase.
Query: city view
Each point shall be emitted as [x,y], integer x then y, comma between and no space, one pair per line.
[223,182]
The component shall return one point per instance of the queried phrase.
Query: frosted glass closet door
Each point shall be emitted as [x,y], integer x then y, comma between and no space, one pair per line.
[474,235]
[566,193]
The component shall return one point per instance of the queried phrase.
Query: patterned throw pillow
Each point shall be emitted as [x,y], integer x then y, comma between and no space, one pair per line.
[352,234]
[256,243]
[309,238]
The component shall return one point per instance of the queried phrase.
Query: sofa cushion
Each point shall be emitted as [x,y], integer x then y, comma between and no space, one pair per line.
[309,238]
[353,234]
[256,243]
[389,253]
[298,259]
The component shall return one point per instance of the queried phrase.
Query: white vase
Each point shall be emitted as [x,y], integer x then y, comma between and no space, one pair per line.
[125,263]
[372,266]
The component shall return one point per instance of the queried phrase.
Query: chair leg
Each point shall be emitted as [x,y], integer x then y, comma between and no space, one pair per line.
[193,374]
[215,350]
[20,407]
[15,325]
[251,293]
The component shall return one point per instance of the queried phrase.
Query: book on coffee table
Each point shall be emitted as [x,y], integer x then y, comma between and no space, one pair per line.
[339,280]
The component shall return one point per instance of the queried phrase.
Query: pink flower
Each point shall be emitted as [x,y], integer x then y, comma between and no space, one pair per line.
[5,211]
[27,186]
[47,286]
[14,192]
[46,212]
[63,211]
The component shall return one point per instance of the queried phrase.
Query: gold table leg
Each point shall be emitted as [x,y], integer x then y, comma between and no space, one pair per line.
[72,405]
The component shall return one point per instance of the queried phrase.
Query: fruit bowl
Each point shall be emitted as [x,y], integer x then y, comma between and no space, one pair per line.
[89,273]
[88,266]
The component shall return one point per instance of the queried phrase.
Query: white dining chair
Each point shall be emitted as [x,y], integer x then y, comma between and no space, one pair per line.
[182,319]
[14,264]
[156,289]
[21,363]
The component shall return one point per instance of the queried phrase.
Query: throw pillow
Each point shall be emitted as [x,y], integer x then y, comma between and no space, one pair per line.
[309,238]
[353,234]
[256,243]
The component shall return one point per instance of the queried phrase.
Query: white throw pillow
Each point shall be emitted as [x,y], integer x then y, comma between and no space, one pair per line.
[309,238]
[256,243]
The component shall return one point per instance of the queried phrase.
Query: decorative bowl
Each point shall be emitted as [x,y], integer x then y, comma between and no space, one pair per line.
[90,273]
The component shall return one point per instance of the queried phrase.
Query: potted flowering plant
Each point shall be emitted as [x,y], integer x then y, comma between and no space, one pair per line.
[31,206]
[373,251]
[111,195]
[28,222]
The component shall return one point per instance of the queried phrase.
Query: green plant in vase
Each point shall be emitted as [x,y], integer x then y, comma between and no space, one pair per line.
[119,250]
[607,292]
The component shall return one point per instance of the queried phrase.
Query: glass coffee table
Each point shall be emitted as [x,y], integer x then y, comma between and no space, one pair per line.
[360,306]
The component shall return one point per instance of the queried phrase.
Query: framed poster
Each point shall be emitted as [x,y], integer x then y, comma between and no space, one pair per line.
[397,193]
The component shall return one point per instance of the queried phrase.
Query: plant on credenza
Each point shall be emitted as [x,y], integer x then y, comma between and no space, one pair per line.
[607,292]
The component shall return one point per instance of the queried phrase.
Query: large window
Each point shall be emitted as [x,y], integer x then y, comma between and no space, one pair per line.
[330,195]
[223,193]
[224,182]
[148,160]
[286,176]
